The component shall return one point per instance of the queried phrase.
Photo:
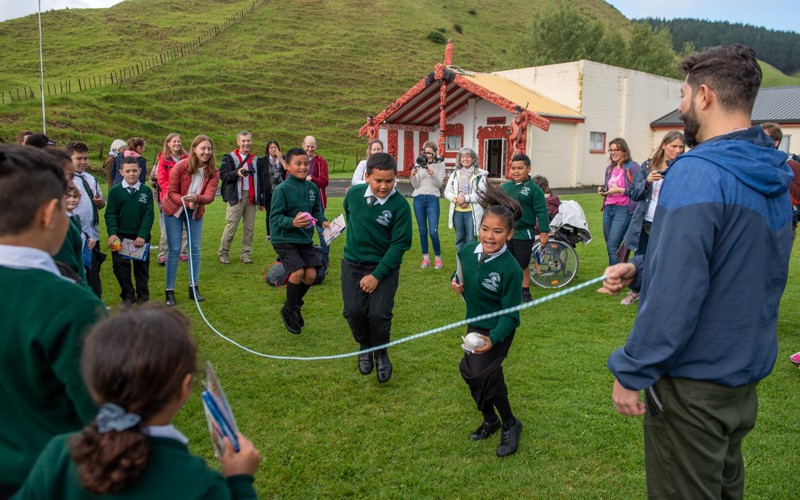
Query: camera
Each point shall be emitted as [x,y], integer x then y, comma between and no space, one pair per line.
[245,171]
[422,161]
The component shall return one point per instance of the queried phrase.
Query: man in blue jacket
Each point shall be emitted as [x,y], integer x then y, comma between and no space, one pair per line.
[705,334]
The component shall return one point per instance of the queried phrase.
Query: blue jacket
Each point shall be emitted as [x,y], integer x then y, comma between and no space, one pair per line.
[716,268]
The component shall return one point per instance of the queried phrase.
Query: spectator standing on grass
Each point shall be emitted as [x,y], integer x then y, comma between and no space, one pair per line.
[318,174]
[645,190]
[116,149]
[462,190]
[171,153]
[427,178]
[194,181]
[272,168]
[373,146]
[239,176]
[617,205]
[88,209]
[716,268]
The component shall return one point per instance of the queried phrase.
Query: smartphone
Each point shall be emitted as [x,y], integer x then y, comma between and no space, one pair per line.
[662,172]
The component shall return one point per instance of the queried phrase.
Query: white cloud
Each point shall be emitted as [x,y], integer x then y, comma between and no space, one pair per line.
[10,9]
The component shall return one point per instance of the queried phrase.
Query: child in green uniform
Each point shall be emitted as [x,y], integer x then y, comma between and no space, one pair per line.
[378,234]
[129,215]
[45,316]
[295,208]
[139,367]
[491,280]
[534,213]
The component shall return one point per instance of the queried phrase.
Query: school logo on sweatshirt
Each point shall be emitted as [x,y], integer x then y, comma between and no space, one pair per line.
[385,218]
[312,197]
[142,198]
[492,282]
[525,191]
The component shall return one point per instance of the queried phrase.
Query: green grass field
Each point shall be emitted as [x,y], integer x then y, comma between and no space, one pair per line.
[324,430]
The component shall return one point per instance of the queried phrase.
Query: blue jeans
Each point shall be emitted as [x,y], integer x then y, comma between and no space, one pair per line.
[465,228]
[174,227]
[616,219]
[426,210]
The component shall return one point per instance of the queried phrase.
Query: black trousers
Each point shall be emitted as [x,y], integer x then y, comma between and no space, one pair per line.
[141,273]
[483,373]
[368,314]
[93,272]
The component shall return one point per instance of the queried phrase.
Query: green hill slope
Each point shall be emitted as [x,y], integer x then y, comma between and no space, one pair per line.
[289,69]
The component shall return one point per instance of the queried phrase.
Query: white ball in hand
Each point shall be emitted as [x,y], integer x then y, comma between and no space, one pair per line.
[472,341]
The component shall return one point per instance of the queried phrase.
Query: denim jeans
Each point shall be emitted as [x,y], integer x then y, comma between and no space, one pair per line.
[465,228]
[426,210]
[175,227]
[615,222]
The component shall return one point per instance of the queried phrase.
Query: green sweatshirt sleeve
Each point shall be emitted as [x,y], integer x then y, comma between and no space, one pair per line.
[149,216]
[512,296]
[401,242]
[277,211]
[540,208]
[111,212]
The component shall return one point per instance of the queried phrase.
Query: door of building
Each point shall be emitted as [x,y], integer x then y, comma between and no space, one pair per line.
[495,156]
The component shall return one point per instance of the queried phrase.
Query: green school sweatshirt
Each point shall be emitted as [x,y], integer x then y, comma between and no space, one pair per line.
[45,318]
[291,197]
[128,213]
[490,287]
[379,233]
[534,208]
[171,472]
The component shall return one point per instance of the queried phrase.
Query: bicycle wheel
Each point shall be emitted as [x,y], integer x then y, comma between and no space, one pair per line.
[555,266]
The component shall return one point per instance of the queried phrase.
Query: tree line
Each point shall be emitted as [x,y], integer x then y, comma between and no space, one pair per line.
[779,48]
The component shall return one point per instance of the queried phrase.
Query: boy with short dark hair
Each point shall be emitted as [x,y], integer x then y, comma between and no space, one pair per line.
[296,207]
[534,213]
[129,214]
[44,316]
[378,234]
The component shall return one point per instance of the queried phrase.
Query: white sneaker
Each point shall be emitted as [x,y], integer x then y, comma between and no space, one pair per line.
[630,299]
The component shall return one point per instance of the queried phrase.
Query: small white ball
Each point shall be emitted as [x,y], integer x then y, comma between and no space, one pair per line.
[473,341]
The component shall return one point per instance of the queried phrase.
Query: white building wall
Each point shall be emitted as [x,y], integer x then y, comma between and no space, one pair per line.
[550,153]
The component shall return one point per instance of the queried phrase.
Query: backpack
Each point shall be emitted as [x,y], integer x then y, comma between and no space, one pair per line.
[276,275]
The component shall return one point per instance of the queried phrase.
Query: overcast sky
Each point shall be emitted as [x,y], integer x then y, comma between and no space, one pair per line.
[773,14]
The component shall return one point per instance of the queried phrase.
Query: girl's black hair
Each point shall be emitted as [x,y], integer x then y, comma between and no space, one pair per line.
[139,361]
[496,202]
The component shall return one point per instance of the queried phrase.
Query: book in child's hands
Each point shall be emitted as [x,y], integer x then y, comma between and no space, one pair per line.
[219,416]
[129,250]
[337,225]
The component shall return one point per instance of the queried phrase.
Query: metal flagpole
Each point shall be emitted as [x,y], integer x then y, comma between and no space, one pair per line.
[41,70]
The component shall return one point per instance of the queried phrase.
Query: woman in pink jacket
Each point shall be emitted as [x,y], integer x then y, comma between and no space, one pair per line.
[194,181]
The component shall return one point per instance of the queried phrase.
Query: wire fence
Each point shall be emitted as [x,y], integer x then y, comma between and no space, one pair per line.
[121,75]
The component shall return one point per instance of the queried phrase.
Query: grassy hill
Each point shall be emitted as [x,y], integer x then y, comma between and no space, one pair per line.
[291,68]
[773,77]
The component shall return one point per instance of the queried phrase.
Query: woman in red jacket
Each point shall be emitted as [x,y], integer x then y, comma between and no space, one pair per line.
[170,154]
[193,180]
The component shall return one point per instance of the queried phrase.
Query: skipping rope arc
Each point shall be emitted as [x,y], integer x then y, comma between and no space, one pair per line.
[419,335]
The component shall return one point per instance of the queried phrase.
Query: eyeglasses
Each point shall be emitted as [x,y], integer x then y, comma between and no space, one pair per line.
[614,150]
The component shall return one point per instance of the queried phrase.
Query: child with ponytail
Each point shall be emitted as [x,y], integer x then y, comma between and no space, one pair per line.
[492,280]
[139,368]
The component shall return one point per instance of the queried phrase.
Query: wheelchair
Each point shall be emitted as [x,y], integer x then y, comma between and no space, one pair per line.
[555,265]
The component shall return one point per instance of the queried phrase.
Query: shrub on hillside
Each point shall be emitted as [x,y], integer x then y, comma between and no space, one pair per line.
[436,37]
[458,28]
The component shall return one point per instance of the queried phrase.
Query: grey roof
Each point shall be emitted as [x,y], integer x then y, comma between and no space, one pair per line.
[773,104]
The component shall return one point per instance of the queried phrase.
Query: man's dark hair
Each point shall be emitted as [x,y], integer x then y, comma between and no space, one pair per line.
[37,140]
[294,152]
[20,168]
[76,146]
[523,158]
[731,71]
[381,161]
[774,131]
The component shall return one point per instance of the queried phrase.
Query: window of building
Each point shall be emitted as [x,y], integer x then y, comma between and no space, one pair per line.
[597,142]
[786,143]
[496,120]
[453,142]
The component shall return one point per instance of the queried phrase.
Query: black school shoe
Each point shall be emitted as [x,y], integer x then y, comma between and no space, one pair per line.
[290,320]
[485,430]
[509,438]
[365,363]
[384,366]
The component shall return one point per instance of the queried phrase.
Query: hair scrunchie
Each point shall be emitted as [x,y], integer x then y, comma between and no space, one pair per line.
[113,417]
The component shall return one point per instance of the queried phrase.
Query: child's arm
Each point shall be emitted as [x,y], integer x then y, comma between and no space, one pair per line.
[279,213]
[111,218]
[511,296]
[539,204]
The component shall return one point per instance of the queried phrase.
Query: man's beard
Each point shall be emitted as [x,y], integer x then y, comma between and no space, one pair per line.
[691,127]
